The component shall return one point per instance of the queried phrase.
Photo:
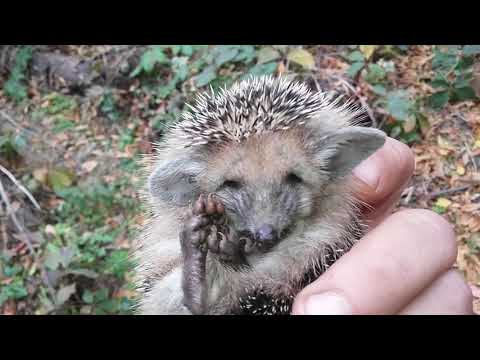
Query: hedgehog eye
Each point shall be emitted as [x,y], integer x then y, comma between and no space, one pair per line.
[292,178]
[231,184]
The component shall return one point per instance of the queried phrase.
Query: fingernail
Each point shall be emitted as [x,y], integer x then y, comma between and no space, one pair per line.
[368,172]
[328,303]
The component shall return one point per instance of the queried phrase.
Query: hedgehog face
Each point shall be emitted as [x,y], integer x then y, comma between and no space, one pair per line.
[267,185]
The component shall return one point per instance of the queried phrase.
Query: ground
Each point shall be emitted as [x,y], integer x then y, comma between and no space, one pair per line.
[75,122]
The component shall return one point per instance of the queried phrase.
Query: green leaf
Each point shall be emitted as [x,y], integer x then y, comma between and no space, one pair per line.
[19,142]
[463,80]
[375,74]
[444,60]
[207,75]
[440,82]
[263,69]
[60,179]
[267,54]
[368,50]
[15,85]
[463,93]
[87,297]
[53,257]
[149,59]
[471,49]
[439,99]
[64,294]
[303,58]
[464,63]
[224,54]
[399,105]
[356,56]
[186,50]
[355,68]
[246,54]
[379,90]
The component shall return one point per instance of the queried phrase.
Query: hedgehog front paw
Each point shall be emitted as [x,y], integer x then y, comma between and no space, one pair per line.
[197,225]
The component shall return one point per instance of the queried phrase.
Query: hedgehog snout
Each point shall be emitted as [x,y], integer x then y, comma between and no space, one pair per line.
[266,236]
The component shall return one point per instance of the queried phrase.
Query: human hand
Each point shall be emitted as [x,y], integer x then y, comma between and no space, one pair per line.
[403,265]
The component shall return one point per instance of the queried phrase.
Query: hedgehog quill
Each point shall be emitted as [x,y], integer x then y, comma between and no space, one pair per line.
[251,199]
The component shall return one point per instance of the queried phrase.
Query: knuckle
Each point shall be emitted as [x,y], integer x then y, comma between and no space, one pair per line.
[459,286]
[404,156]
[439,233]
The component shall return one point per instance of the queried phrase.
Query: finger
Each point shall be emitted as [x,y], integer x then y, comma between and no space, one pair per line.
[389,267]
[380,180]
[448,295]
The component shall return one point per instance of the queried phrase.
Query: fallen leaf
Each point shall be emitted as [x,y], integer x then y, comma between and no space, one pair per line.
[443,203]
[443,143]
[267,54]
[302,57]
[368,50]
[41,175]
[281,69]
[64,294]
[460,170]
[50,230]
[410,124]
[475,291]
[88,166]
[60,179]
[10,308]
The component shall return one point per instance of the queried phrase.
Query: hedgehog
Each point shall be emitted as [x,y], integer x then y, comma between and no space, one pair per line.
[251,199]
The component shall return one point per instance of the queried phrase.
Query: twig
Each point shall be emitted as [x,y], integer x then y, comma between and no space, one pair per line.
[362,101]
[4,228]
[7,117]
[11,213]
[20,186]
[26,237]
[472,159]
[408,194]
[448,191]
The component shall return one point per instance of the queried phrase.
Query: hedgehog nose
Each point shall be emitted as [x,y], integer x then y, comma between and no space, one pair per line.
[266,234]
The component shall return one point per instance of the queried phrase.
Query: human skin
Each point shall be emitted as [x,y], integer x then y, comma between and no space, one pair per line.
[403,265]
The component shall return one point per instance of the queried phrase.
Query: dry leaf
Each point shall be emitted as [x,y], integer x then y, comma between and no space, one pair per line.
[443,143]
[368,50]
[460,170]
[40,175]
[50,230]
[443,203]
[88,166]
[302,57]
[267,54]
[409,124]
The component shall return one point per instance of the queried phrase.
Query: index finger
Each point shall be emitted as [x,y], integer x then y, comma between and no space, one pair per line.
[384,271]
[380,179]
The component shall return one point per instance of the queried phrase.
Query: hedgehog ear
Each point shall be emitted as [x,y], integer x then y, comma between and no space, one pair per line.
[342,151]
[175,182]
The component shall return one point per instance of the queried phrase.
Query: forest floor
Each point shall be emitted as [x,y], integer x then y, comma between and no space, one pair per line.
[76,120]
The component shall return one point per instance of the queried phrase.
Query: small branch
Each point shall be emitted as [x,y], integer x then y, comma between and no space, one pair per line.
[448,191]
[21,187]
[7,117]
[11,213]
[408,193]
[27,239]
[362,101]
[3,229]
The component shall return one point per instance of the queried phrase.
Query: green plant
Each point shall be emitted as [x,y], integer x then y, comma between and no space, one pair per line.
[108,106]
[11,145]
[12,286]
[453,75]
[15,86]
